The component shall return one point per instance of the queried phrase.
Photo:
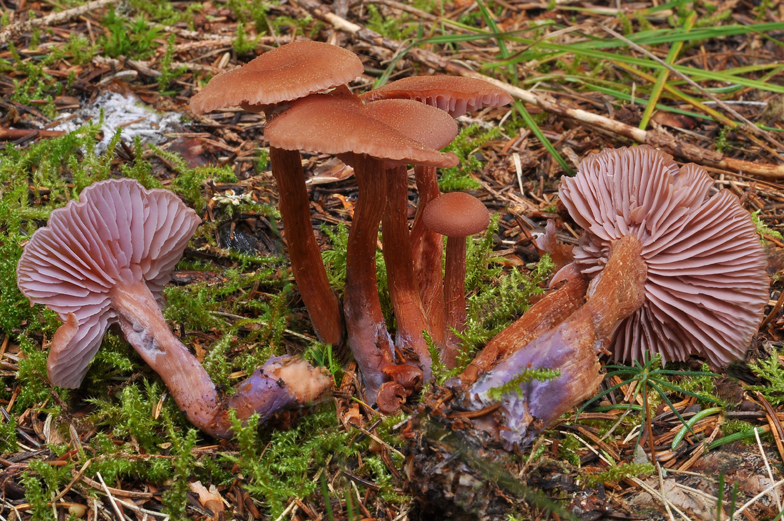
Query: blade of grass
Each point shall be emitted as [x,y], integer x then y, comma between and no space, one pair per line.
[720,497]
[693,83]
[644,62]
[529,121]
[670,404]
[661,81]
[325,493]
[511,68]
[718,116]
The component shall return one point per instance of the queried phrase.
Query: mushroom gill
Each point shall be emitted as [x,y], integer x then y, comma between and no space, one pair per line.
[706,287]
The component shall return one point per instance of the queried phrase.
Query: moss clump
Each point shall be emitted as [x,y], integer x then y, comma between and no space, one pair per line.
[621,471]
[465,145]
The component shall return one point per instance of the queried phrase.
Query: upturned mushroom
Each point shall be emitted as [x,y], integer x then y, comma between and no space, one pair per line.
[706,288]
[338,123]
[455,95]
[105,260]
[457,215]
[673,272]
[265,84]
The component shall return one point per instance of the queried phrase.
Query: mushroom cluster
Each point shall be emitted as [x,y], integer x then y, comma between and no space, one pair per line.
[661,266]
[378,134]
[104,260]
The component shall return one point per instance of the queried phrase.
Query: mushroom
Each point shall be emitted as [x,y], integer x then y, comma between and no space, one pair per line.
[265,84]
[457,215]
[673,272]
[338,123]
[456,96]
[434,128]
[706,288]
[104,260]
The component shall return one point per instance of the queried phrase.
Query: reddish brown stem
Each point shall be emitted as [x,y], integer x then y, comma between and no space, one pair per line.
[428,253]
[281,384]
[306,263]
[550,311]
[403,290]
[571,347]
[367,332]
[454,297]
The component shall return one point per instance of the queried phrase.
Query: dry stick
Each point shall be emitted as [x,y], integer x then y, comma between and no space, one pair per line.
[767,466]
[756,498]
[651,137]
[51,19]
[111,498]
[73,481]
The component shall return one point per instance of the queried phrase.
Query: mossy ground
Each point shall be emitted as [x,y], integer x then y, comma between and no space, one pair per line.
[236,305]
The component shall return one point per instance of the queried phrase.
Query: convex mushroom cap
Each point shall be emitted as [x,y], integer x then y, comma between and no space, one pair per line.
[453,94]
[456,214]
[428,125]
[339,123]
[289,72]
[706,287]
[128,234]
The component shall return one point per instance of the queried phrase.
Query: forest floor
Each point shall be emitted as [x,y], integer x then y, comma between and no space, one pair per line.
[72,74]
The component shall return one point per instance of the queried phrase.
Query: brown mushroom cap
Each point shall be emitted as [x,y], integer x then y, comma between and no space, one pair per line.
[428,125]
[339,124]
[453,94]
[706,287]
[456,214]
[289,72]
[116,232]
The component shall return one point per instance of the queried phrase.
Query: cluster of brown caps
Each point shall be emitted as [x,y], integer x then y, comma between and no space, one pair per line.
[301,88]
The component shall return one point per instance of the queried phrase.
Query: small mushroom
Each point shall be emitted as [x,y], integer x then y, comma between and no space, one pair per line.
[455,95]
[104,260]
[706,288]
[265,84]
[338,123]
[457,215]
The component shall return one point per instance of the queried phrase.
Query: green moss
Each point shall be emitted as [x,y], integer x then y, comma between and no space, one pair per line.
[175,499]
[619,472]
[188,182]
[465,145]
[771,370]
[762,228]
[496,297]
[290,458]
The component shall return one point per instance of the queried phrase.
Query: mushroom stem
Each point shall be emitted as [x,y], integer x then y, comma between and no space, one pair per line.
[454,296]
[428,252]
[306,263]
[277,386]
[546,314]
[367,332]
[409,314]
[571,347]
